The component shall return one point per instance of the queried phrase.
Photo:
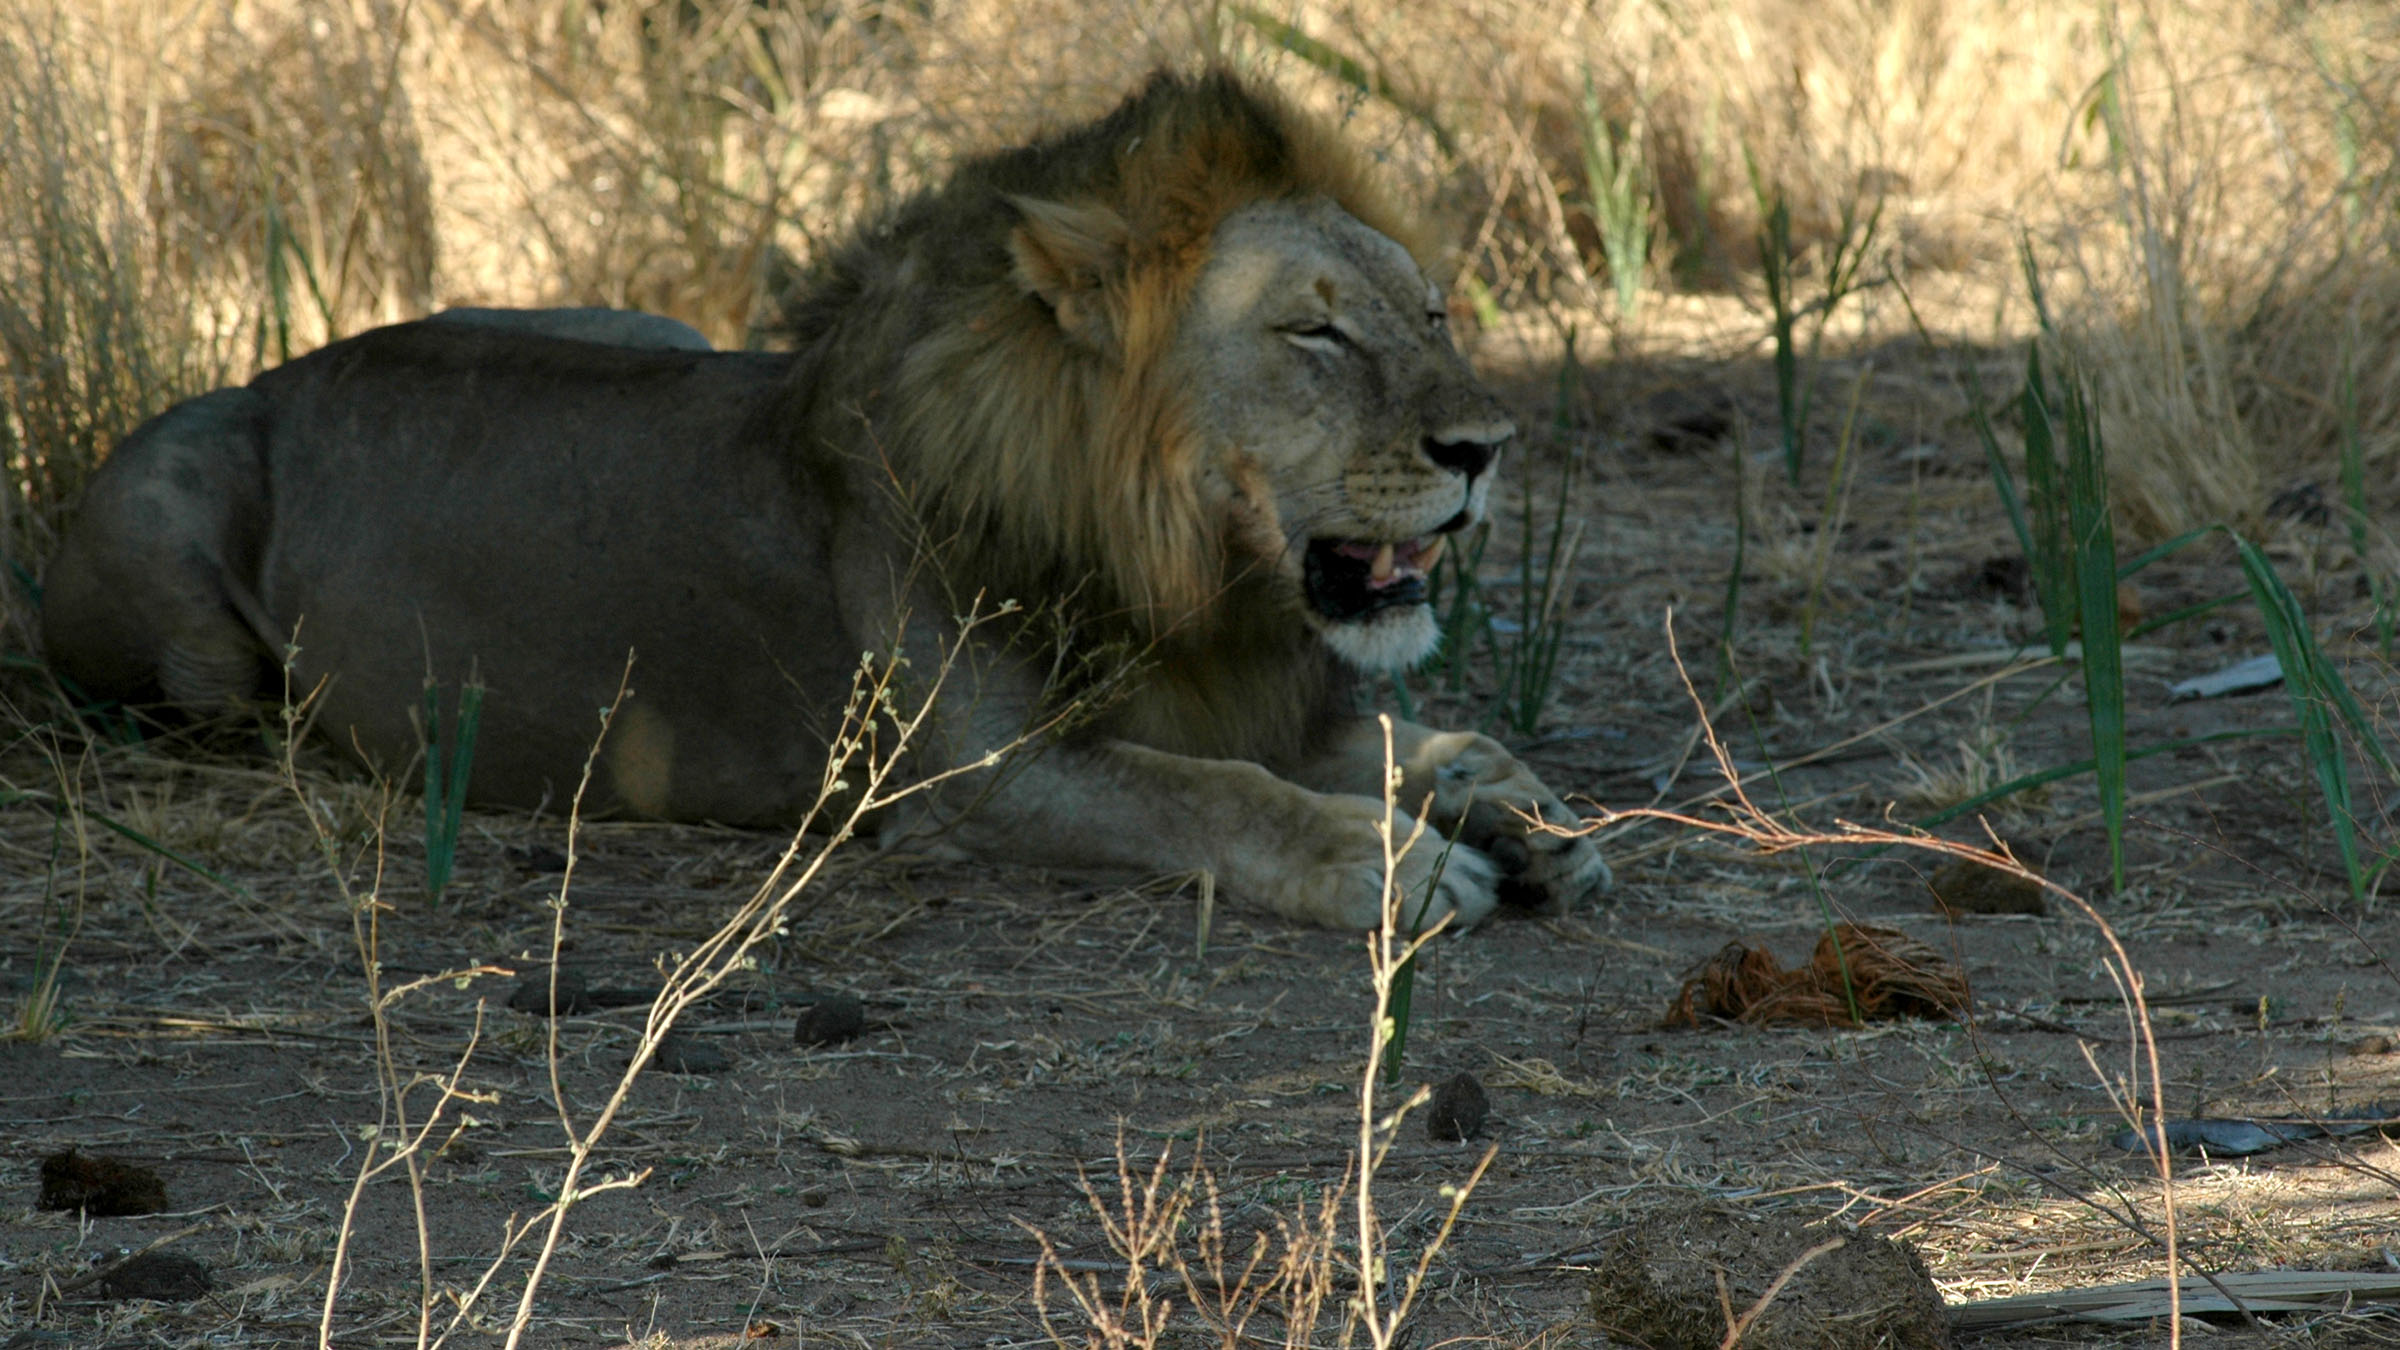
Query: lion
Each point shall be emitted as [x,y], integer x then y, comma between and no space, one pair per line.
[1175,382]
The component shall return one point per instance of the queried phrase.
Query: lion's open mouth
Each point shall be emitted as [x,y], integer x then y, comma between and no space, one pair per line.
[1350,579]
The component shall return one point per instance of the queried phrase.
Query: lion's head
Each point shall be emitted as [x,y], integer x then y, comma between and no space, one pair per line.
[1345,433]
[1189,353]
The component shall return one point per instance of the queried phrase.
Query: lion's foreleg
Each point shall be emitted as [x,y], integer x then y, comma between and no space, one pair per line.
[1309,855]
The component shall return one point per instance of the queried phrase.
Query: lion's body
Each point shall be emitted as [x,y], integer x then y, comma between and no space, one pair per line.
[1166,381]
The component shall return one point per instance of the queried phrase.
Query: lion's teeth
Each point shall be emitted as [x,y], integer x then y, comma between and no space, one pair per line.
[1381,571]
[1431,553]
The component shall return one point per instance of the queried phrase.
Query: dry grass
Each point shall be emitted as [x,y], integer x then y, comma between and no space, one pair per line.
[193,189]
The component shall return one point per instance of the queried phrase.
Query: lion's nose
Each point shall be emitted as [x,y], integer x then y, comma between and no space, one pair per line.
[1468,449]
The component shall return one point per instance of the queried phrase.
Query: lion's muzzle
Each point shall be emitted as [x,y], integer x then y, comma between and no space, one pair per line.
[1349,579]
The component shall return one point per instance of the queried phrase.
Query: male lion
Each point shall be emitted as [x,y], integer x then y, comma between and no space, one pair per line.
[1170,380]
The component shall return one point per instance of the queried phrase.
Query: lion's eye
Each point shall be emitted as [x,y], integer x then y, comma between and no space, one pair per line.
[1316,337]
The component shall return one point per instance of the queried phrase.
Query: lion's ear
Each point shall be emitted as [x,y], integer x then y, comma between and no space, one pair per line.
[1064,255]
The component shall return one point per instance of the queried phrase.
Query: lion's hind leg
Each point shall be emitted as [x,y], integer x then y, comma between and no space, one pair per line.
[147,592]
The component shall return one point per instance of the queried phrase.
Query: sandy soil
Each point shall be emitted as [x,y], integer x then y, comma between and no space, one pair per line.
[1025,1030]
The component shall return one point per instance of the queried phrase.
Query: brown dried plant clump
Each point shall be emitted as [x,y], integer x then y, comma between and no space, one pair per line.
[1859,973]
[1707,1278]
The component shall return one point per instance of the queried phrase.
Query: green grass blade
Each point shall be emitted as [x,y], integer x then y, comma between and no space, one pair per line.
[2052,560]
[2324,677]
[446,784]
[2177,616]
[2003,482]
[2096,583]
[2083,766]
[1775,269]
[1404,990]
[1540,637]
[2317,690]
[1465,615]
[462,760]
[123,830]
[1733,574]
[1617,187]
[2157,551]
[2033,281]
[1404,979]
[205,874]
[437,859]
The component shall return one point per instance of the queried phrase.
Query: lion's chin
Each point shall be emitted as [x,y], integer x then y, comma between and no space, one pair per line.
[1391,639]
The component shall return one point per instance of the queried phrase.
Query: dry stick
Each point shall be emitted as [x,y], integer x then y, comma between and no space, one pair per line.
[1554,213]
[1708,716]
[1234,1307]
[1385,960]
[1147,1229]
[2130,1220]
[513,1233]
[392,1126]
[566,883]
[1741,1325]
[1770,836]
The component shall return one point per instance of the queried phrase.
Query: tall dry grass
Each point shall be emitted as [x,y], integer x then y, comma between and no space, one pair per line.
[190,189]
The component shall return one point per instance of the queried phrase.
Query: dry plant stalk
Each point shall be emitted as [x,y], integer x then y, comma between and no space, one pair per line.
[870,743]
[1292,1270]
[1391,947]
[1746,821]
[395,1140]
[1287,1274]
[1738,1327]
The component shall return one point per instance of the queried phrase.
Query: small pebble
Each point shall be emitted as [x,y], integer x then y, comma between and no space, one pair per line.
[160,1275]
[532,994]
[2375,1044]
[678,1053]
[538,858]
[1460,1107]
[828,1019]
[99,1186]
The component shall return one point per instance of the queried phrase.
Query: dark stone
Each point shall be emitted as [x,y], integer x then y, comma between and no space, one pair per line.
[532,994]
[678,1053]
[828,1019]
[160,1275]
[99,1186]
[1460,1108]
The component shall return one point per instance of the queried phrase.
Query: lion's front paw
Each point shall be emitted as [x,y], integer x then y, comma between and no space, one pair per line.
[1497,802]
[1549,873]
[1350,895]
[1343,887]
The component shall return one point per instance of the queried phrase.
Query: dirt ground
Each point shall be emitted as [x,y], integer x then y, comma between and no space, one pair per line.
[1023,1030]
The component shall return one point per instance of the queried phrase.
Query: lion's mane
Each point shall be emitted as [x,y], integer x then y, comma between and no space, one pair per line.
[1053,466]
